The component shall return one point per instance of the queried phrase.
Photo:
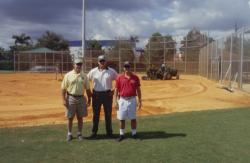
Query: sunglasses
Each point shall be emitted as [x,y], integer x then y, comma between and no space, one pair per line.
[127,66]
[102,61]
[79,64]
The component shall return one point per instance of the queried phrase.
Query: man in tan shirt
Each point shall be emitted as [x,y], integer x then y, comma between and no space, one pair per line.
[73,86]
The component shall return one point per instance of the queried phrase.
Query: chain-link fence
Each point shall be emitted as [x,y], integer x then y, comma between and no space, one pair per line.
[56,61]
[227,60]
[177,52]
[6,61]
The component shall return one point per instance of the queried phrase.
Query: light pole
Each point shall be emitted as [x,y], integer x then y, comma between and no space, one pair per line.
[83,27]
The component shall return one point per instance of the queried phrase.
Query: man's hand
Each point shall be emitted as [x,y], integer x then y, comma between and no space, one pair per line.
[65,102]
[64,98]
[116,105]
[139,104]
[88,102]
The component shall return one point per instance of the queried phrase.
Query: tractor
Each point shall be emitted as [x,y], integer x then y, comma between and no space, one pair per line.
[163,73]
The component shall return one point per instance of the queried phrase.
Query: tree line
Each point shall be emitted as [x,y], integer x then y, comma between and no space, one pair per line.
[159,47]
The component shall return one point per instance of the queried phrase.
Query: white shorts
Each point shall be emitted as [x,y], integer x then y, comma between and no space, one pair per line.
[127,108]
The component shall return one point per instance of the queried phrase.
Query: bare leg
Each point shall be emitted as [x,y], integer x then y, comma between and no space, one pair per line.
[80,124]
[122,124]
[70,124]
[133,124]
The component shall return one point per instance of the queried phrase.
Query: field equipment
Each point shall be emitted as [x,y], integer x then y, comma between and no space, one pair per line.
[163,73]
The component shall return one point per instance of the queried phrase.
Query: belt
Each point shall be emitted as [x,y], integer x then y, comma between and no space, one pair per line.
[127,98]
[75,95]
[102,91]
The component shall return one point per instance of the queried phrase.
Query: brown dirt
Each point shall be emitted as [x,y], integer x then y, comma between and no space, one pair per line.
[28,99]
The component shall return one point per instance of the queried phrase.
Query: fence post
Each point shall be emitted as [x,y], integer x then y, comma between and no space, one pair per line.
[149,52]
[67,62]
[35,58]
[45,61]
[207,53]
[186,57]
[53,58]
[174,56]
[241,59]
[134,65]
[61,62]
[119,52]
[217,57]
[231,54]
[18,62]
[211,60]
[14,61]
[164,46]
[221,65]
[91,61]
[30,61]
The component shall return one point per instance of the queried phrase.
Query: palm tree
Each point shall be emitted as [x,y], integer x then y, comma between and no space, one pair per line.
[134,39]
[53,41]
[22,39]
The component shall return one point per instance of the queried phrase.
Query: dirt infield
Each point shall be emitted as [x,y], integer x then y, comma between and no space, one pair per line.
[35,99]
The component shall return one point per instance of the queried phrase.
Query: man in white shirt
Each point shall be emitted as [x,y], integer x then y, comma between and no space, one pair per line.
[102,77]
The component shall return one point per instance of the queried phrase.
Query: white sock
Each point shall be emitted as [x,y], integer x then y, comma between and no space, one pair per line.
[69,133]
[121,131]
[79,133]
[133,131]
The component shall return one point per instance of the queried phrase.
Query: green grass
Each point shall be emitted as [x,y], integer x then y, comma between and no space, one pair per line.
[208,136]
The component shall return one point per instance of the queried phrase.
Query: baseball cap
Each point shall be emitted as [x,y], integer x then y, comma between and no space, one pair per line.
[101,57]
[78,60]
[126,63]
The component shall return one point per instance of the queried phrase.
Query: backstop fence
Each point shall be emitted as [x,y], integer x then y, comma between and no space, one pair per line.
[176,52]
[227,60]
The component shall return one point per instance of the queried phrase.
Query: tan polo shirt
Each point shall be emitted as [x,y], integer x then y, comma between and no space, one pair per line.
[74,83]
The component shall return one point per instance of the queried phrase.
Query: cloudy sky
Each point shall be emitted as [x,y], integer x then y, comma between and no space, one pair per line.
[108,19]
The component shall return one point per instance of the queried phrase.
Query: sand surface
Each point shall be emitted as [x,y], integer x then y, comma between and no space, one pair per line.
[28,99]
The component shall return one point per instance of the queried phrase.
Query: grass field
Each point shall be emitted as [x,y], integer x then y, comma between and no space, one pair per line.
[204,136]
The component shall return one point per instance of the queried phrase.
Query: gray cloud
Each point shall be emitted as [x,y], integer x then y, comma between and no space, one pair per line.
[113,18]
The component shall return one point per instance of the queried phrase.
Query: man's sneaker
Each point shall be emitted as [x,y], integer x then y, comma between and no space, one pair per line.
[135,137]
[121,137]
[79,137]
[110,135]
[93,135]
[69,138]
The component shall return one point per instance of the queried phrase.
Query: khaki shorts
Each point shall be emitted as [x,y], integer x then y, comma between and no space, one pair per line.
[76,106]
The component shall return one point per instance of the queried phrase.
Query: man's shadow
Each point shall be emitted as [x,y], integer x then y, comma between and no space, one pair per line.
[143,135]
[159,135]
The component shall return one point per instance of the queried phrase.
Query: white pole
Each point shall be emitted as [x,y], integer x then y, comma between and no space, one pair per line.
[83,27]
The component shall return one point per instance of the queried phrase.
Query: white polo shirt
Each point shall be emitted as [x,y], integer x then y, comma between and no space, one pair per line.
[102,79]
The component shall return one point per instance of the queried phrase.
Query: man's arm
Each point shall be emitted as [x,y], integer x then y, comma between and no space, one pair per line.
[89,94]
[116,99]
[64,97]
[138,90]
